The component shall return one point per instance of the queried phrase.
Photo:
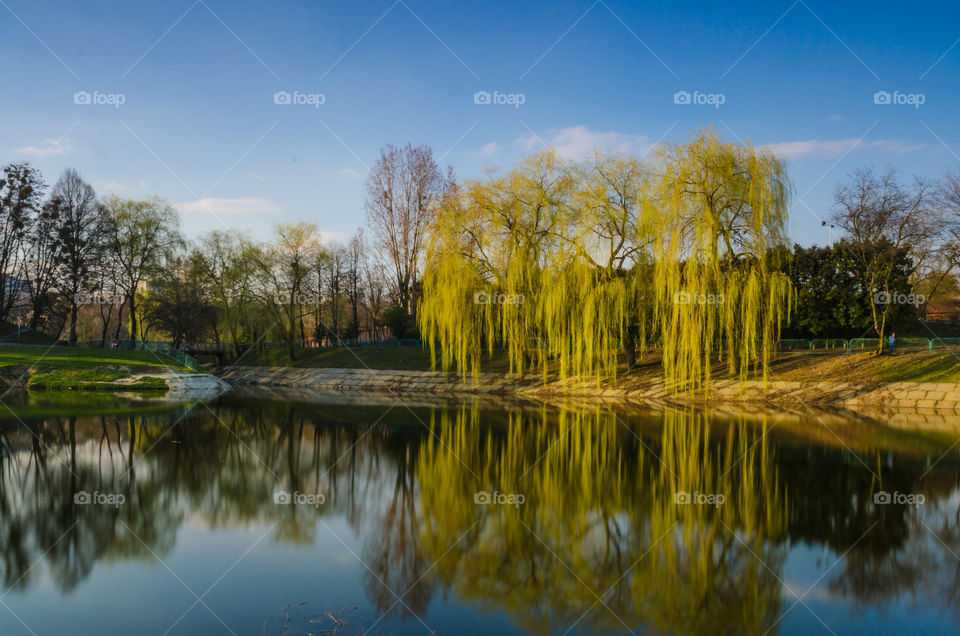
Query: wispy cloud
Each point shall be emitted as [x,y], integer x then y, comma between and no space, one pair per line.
[579,142]
[815,148]
[52,147]
[228,207]
[490,149]
[326,237]
[349,173]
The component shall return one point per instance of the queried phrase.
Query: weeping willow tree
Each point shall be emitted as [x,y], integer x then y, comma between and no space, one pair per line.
[567,265]
[544,262]
[723,213]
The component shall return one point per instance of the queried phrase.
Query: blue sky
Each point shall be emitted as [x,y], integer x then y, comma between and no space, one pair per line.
[197,79]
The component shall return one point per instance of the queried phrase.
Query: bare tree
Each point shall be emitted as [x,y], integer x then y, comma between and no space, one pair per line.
[354,278]
[401,192]
[885,218]
[41,263]
[21,190]
[334,278]
[81,235]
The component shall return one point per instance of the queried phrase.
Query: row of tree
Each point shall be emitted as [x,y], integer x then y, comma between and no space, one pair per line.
[58,251]
[559,262]
[79,267]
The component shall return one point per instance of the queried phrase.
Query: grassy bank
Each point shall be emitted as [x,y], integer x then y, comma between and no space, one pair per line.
[60,368]
[858,368]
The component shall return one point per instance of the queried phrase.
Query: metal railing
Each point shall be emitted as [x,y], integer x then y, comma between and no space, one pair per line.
[164,348]
[786,345]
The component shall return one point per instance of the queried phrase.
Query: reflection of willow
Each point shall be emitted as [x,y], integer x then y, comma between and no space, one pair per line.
[599,502]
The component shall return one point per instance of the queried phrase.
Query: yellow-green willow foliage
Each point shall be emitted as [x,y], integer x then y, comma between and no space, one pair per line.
[706,544]
[566,264]
[723,213]
[542,261]
[601,515]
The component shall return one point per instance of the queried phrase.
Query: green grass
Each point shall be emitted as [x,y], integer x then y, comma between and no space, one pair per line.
[919,367]
[92,379]
[81,358]
[61,368]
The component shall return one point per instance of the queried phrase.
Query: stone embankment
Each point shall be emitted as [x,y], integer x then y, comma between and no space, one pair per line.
[897,396]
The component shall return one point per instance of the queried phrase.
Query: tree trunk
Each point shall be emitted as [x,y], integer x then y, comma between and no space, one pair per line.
[133,321]
[629,348]
[73,323]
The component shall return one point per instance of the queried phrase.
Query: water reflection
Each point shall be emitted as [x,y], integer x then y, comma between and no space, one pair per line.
[677,522]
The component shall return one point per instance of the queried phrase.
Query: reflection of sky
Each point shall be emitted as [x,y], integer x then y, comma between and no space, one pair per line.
[809,570]
[259,590]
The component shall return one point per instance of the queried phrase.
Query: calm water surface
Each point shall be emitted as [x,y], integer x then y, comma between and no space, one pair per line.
[282,513]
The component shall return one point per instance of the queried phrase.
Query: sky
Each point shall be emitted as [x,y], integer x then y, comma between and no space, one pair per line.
[247,114]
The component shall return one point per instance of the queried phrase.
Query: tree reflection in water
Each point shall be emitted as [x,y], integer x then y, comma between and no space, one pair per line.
[599,542]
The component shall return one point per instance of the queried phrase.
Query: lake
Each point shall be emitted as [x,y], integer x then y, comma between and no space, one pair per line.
[288,512]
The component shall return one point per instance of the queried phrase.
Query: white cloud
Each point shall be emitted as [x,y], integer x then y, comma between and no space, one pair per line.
[490,149]
[228,207]
[332,237]
[579,142]
[349,173]
[836,147]
[53,147]
[113,185]
[898,146]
